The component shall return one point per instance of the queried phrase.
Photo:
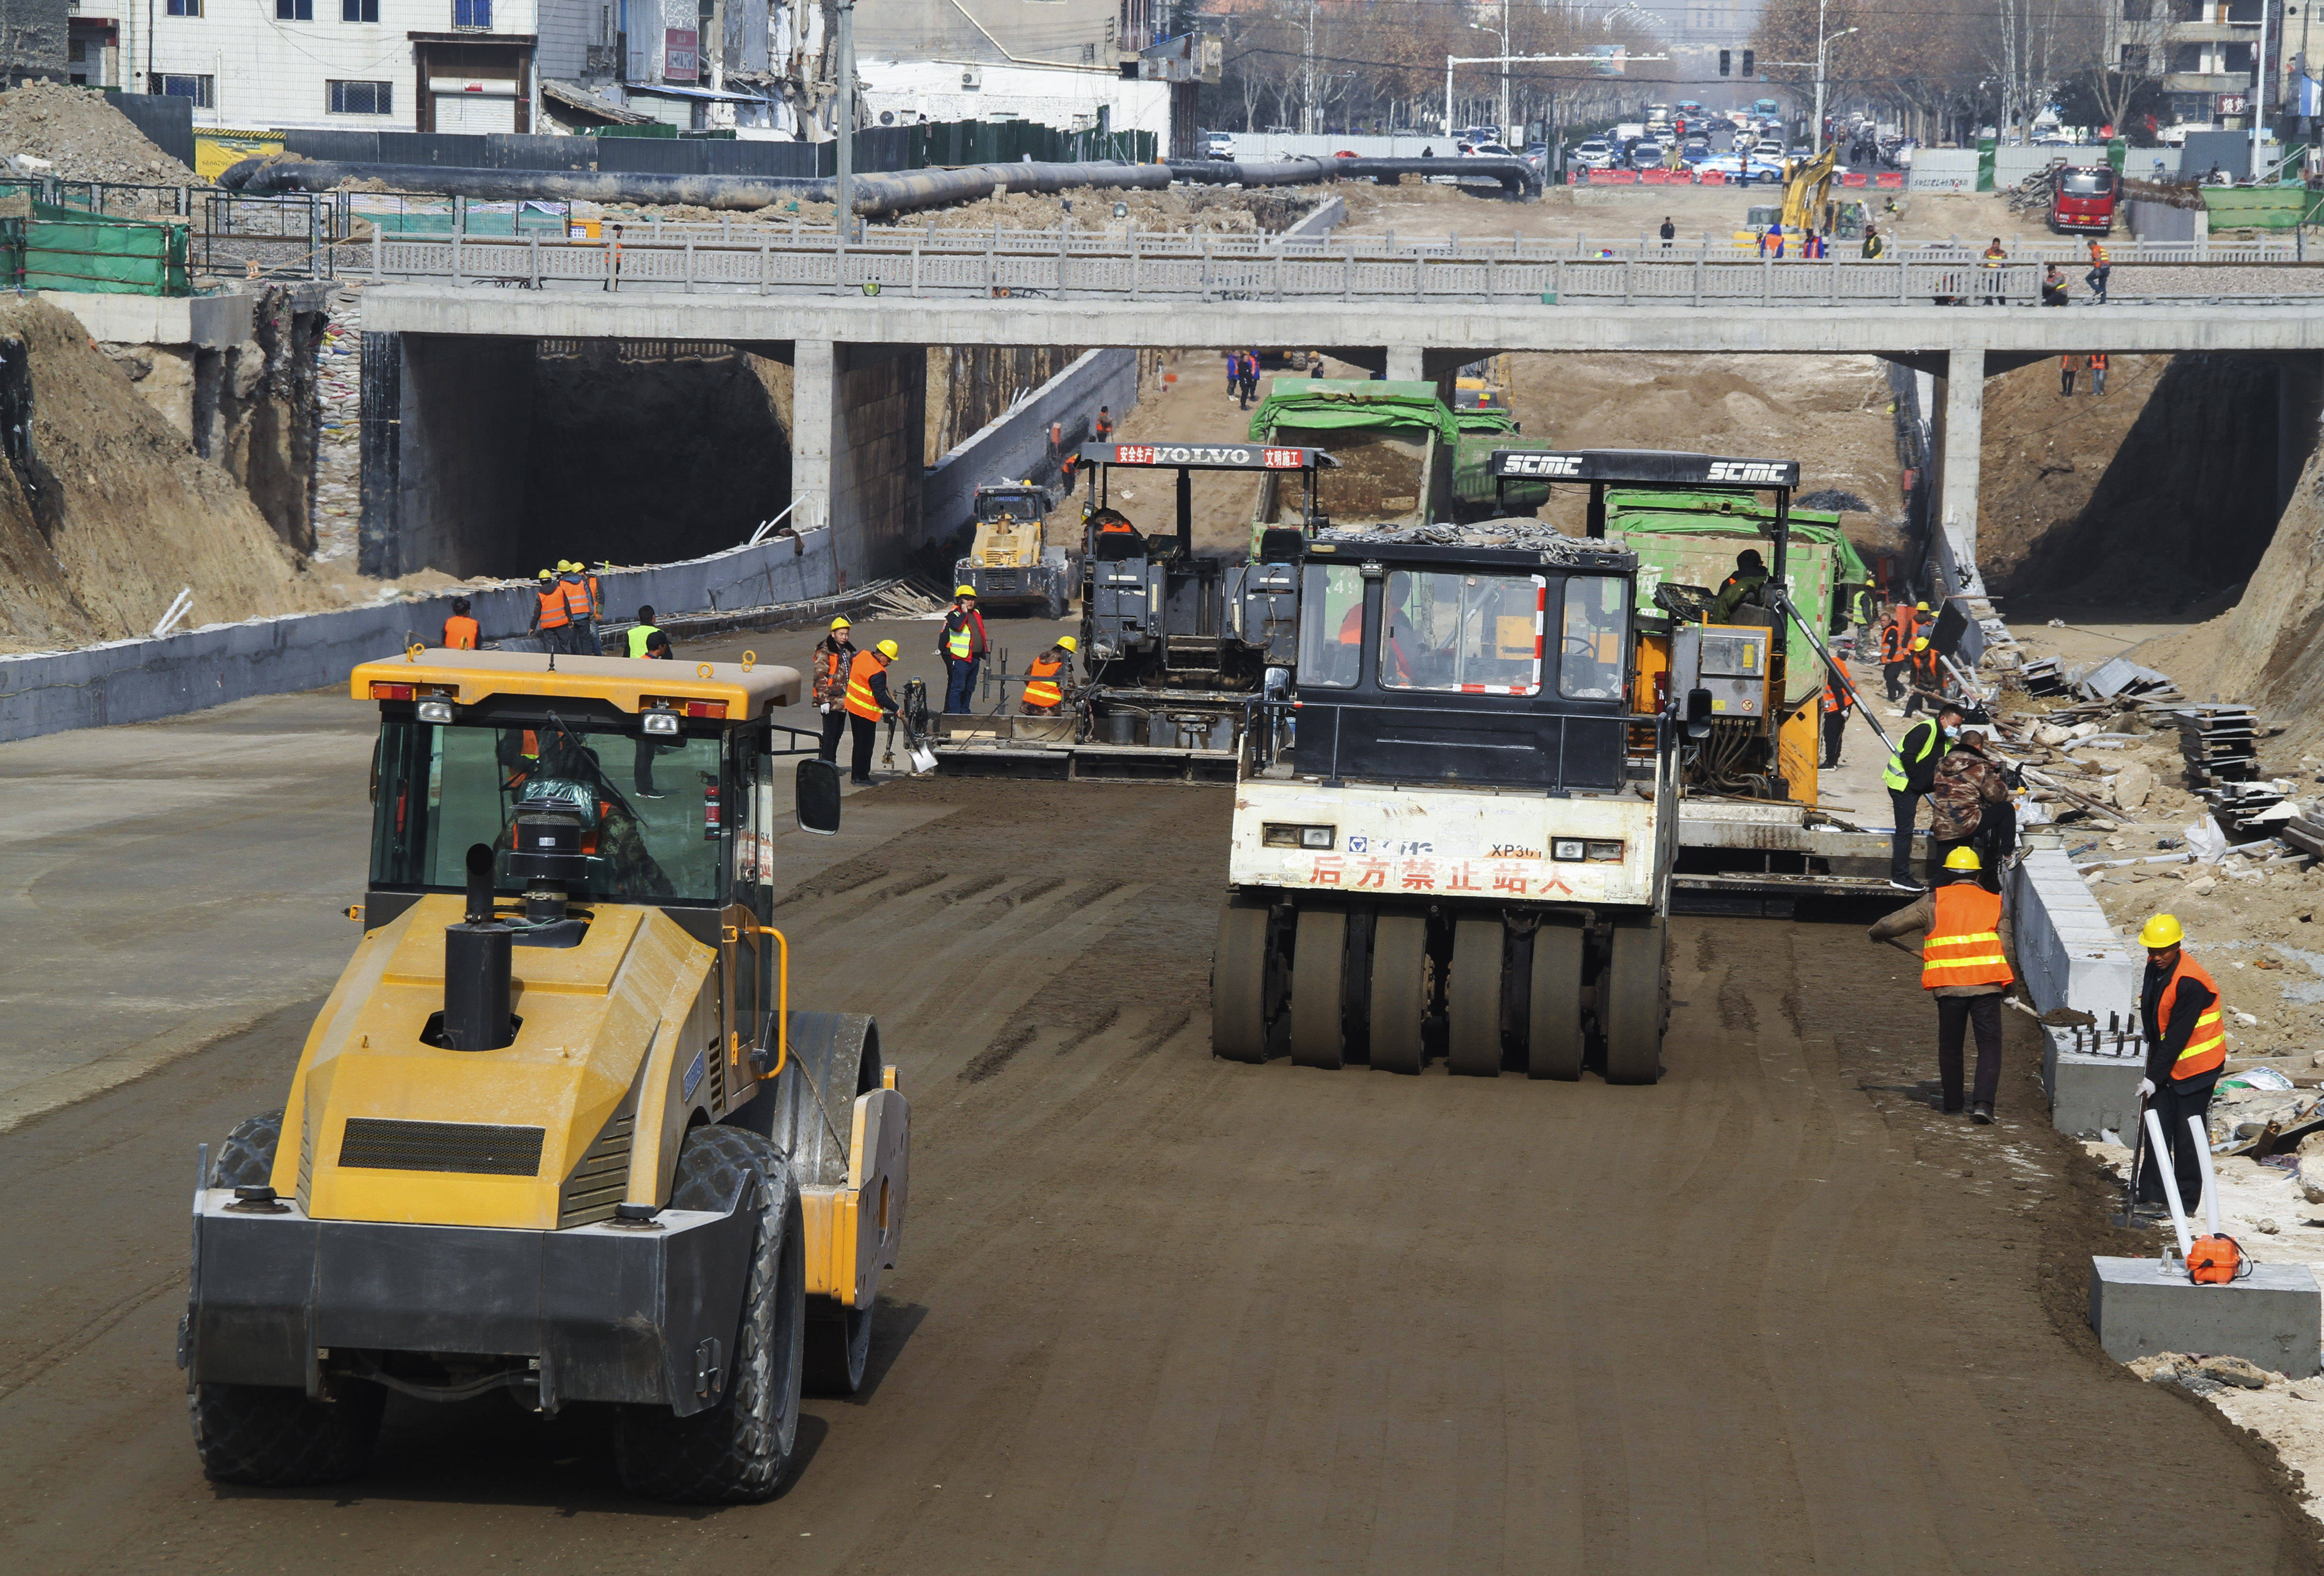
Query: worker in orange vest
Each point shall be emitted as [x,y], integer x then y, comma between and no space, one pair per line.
[1894,640]
[867,701]
[1965,937]
[2180,1014]
[460,631]
[1050,677]
[580,612]
[1838,700]
[552,615]
[1923,676]
[1104,428]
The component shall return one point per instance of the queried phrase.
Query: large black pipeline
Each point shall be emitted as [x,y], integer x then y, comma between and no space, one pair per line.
[900,192]
[1516,177]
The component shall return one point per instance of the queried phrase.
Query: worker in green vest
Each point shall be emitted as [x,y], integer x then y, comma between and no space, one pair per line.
[641,632]
[1911,772]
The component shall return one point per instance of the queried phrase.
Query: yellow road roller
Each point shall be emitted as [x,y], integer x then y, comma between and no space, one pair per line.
[559,1130]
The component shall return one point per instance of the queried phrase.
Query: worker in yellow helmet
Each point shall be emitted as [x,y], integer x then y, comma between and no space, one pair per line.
[1923,676]
[867,701]
[1050,677]
[2183,1018]
[834,653]
[1965,965]
[961,644]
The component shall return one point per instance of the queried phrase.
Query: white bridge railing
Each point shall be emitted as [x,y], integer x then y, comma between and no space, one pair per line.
[1350,271]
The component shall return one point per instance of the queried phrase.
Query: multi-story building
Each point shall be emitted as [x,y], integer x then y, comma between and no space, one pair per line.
[2203,52]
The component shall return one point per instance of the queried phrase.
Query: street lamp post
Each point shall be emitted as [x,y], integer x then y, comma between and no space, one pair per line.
[1821,44]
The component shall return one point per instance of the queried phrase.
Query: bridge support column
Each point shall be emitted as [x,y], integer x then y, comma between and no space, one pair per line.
[445,432]
[858,450]
[1957,439]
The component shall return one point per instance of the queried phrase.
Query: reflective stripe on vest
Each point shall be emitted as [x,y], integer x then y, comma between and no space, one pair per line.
[959,643]
[1895,776]
[553,615]
[576,600]
[1964,945]
[1041,686]
[2207,1047]
[460,633]
[639,634]
[860,699]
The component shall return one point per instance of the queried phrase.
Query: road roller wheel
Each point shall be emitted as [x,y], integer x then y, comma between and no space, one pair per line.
[1472,999]
[1319,963]
[1637,978]
[1242,968]
[1399,992]
[1553,1037]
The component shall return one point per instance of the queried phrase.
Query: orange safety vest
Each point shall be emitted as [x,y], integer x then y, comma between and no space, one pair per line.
[1924,664]
[596,597]
[1838,700]
[861,701]
[1964,946]
[460,633]
[1892,642]
[2207,1047]
[576,600]
[553,605]
[1041,686]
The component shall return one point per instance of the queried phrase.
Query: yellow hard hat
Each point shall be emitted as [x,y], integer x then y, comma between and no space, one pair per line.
[1920,643]
[2162,930]
[886,648]
[1963,860]
[1069,642]
[1920,607]
[964,591]
[840,624]
[549,574]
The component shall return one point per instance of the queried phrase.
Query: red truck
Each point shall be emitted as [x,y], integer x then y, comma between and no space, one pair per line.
[2083,198]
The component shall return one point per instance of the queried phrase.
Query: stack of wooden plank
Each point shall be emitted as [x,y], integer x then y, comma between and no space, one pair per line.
[2042,676]
[2219,743]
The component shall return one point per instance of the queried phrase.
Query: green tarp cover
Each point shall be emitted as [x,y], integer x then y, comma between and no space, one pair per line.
[1714,512]
[66,248]
[1323,403]
[2262,208]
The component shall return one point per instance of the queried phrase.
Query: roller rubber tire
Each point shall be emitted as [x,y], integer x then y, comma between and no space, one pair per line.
[1472,1000]
[274,1437]
[1238,970]
[838,1347]
[1638,976]
[1555,1044]
[1399,992]
[246,1158]
[1319,963]
[740,1449]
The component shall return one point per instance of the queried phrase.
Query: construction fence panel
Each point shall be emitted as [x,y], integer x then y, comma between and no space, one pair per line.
[66,249]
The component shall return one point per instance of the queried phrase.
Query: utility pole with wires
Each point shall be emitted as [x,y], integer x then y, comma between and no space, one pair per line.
[845,185]
[1313,119]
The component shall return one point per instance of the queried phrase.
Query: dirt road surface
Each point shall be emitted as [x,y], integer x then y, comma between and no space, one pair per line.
[1161,1312]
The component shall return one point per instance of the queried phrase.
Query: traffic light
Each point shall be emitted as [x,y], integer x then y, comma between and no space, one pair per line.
[1726,60]
[1749,56]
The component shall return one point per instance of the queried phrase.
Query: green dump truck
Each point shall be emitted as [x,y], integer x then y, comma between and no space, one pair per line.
[1393,443]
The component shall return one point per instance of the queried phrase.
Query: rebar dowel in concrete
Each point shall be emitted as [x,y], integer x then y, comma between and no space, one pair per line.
[2161,1156]
[2210,1178]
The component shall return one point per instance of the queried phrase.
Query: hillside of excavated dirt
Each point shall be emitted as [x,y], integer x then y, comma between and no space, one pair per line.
[115,512]
[2162,493]
[2265,651]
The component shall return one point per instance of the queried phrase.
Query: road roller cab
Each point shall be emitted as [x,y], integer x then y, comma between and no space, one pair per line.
[1453,831]
[558,1130]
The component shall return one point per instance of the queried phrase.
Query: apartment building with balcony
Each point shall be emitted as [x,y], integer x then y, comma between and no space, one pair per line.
[2203,52]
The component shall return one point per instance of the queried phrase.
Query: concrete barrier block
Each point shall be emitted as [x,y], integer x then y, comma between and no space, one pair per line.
[2274,1318]
[2089,1094]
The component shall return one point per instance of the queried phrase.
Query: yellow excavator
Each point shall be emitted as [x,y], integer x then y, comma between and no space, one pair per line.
[559,1130]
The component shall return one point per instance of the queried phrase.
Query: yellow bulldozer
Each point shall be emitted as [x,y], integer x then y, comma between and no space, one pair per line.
[559,1130]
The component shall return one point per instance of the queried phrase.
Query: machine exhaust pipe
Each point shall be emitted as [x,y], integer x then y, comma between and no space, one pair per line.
[476,967]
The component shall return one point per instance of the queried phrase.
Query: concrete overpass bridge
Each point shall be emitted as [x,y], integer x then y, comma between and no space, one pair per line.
[446,373]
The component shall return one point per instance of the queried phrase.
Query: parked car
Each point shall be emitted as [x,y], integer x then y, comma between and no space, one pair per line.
[1593,155]
[1488,148]
[1218,145]
[1537,155]
[1736,168]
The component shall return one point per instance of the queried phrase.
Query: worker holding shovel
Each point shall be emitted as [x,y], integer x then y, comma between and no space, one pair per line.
[1965,964]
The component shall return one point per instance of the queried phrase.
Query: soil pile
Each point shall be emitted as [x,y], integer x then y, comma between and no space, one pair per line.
[2265,652]
[2161,494]
[115,512]
[84,137]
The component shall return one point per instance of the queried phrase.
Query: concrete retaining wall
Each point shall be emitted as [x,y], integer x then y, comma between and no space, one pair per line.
[135,681]
[2067,950]
[1011,445]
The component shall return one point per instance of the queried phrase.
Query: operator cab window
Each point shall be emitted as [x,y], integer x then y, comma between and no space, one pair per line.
[1590,645]
[1331,626]
[649,808]
[1462,632]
